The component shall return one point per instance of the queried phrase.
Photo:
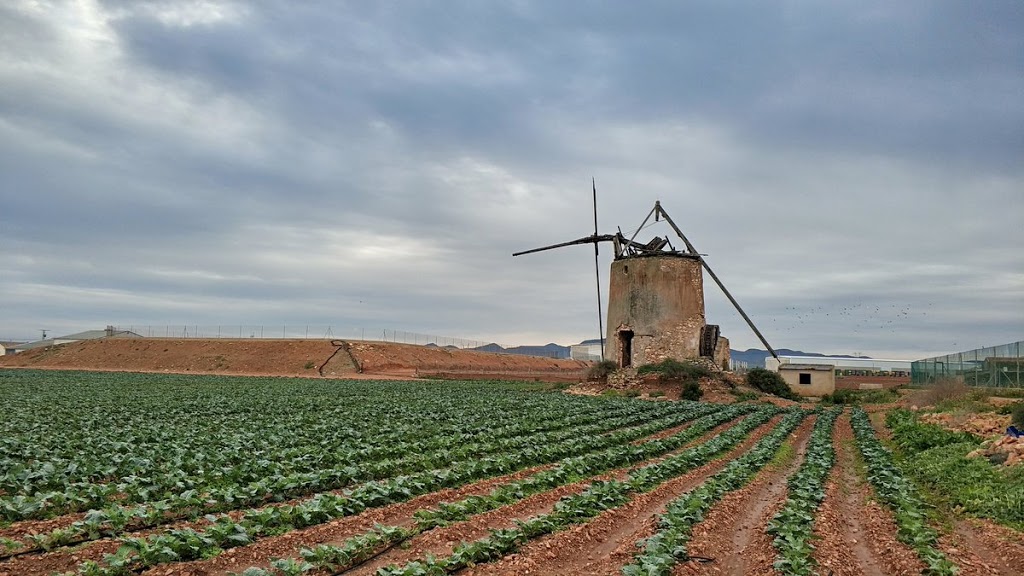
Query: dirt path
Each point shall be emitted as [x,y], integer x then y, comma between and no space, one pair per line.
[732,534]
[983,548]
[856,536]
[19,529]
[877,419]
[603,545]
[842,546]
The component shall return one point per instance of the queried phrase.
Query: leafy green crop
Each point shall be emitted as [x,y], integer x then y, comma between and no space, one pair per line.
[913,436]
[793,525]
[542,428]
[599,496]
[668,546]
[900,496]
[115,444]
[937,459]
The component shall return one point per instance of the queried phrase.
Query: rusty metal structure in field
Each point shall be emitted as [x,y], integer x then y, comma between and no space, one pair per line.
[655,297]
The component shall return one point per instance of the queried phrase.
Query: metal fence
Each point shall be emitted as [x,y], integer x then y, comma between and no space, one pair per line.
[997,367]
[307,332]
[738,366]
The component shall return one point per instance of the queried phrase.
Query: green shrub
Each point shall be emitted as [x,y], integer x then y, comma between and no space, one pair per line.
[845,397]
[937,458]
[602,370]
[656,393]
[687,374]
[745,396]
[969,484]
[914,436]
[632,393]
[670,370]
[1017,414]
[770,382]
[691,390]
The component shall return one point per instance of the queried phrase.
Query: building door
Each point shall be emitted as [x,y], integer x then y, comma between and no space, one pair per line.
[625,348]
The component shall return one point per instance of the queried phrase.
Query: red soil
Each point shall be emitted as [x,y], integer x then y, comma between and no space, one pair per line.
[303,358]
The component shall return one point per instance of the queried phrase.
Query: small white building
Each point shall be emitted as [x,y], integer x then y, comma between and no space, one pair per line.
[841,365]
[809,379]
[9,347]
[109,332]
[588,350]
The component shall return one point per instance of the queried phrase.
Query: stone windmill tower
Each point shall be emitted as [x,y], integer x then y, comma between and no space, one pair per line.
[656,299]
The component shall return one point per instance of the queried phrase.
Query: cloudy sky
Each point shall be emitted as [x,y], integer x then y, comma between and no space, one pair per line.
[853,170]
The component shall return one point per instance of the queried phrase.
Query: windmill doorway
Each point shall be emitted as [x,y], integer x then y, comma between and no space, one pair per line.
[625,348]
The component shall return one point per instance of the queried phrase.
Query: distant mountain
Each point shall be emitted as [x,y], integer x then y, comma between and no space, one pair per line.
[755,358]
[447,347]
[548,350]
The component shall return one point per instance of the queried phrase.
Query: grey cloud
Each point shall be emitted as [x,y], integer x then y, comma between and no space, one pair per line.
[380,162]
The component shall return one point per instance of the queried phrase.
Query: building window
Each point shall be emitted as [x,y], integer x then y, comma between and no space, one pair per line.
[805,378]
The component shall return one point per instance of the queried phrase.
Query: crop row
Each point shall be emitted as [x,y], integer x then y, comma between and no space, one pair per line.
[900,496]
[938,459]
[574,469]
[579,508]
[224,532]
[170,459]
[26,479]
[793,525]
[117,518]
[668,546]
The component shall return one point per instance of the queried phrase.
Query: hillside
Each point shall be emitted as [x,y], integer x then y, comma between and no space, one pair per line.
[306,358]
[755,358]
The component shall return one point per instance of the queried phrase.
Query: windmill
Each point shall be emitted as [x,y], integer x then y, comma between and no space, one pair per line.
[655,297]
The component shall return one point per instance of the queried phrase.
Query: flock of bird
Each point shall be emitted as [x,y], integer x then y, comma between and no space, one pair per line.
[860,317]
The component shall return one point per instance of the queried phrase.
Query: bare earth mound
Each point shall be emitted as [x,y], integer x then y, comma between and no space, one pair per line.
[309,358]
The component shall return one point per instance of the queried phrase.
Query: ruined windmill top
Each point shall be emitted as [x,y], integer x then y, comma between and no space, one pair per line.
[626,248]
[629,247]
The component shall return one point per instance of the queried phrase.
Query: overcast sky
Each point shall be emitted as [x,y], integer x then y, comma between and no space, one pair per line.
[853,170]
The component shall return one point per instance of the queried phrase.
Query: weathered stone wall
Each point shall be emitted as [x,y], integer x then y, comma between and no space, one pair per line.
[722,355]
[661,300]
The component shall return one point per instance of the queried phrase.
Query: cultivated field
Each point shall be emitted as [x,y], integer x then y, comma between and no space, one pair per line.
[119,473]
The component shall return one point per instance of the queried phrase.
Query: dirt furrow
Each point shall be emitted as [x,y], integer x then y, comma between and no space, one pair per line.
[731,539]
[288,545]
[19,529]
[603,545]
[983,548]
[62,560]
[440,541]
[66,559]
[262,551]
[855,535]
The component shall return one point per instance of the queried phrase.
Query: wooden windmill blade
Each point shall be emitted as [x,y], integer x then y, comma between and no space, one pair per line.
[594,239]
[654,289]
[585,240]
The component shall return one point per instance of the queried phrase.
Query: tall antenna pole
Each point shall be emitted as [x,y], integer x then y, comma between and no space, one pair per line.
[597,272]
